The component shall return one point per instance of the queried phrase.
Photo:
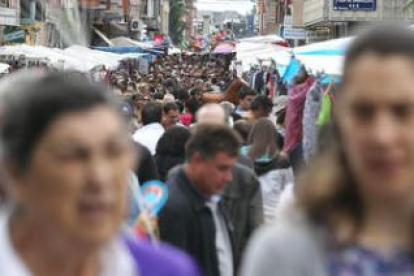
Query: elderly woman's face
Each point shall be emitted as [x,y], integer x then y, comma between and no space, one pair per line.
[376,121]
[76,181]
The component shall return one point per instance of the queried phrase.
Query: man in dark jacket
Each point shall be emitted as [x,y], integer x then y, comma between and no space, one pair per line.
[194,218]
[242,200]
[242,197]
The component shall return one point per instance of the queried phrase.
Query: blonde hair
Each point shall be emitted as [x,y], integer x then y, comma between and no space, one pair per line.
[327,191]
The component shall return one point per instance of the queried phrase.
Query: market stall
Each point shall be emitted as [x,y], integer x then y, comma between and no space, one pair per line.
[327,56]
[250,54]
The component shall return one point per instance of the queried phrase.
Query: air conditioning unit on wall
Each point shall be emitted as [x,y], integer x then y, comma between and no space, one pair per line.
[135,26]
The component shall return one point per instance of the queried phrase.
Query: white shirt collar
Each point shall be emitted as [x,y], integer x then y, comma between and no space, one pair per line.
[152,126]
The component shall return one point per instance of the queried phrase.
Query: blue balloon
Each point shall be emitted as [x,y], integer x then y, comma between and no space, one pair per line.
[155,195]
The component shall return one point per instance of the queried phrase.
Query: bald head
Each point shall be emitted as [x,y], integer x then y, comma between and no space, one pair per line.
[211,114]
[169,98]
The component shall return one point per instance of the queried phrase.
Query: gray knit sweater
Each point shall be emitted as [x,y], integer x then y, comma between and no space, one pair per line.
[286,248]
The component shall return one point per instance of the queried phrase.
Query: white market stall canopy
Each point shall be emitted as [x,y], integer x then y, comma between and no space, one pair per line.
[98,58]
[250,53]
[325,48]
[73,58]
[327,56]
[266,39]
[331,65]
[4,68]
[125,41]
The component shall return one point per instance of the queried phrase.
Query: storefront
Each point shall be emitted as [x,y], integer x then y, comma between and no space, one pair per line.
[339,18]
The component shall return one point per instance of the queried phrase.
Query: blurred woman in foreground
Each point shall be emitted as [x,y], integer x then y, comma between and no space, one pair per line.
[67,154]
[357,198]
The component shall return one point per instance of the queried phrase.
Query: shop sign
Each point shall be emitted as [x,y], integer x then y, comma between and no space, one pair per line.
[355,5]
[294,33]
[18,35]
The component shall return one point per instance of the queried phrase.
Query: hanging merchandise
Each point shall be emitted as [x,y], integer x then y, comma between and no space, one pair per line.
[294,114]
[325,113]
[143,66]
[311,113]
[292,70]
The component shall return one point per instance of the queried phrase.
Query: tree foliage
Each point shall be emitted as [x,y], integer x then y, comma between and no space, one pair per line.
[409,4]
[176,20]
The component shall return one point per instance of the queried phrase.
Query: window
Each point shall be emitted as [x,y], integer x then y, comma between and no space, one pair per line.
[5,3]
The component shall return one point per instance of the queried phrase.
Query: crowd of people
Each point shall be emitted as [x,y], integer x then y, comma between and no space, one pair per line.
[325,176]
[208,72]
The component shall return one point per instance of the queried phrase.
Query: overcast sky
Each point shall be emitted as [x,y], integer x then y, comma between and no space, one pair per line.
[240,6]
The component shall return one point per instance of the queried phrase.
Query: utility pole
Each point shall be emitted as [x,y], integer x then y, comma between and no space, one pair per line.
[232,27]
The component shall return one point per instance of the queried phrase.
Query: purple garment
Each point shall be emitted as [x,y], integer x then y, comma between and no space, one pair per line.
[162,260]
[294,115]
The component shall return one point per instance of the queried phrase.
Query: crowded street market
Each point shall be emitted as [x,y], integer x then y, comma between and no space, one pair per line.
[227,157]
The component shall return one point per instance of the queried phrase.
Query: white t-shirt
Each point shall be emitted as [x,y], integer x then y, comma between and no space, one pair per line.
[149,136]
[273,184]
[115,258]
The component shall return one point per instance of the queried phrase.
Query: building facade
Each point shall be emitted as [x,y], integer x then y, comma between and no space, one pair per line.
[327,19]
[58,23]
[9,16]
[191,18]
[271,14]
[10,12]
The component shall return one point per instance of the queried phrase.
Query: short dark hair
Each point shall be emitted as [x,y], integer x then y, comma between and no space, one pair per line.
[151,113]
[246,91]
[172,142]
[383,40]
[243,127]
[170,106]
[30,107]
[262,102]
[181,94]
[192,105]
[208,140]
[159,95]
[180,106]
